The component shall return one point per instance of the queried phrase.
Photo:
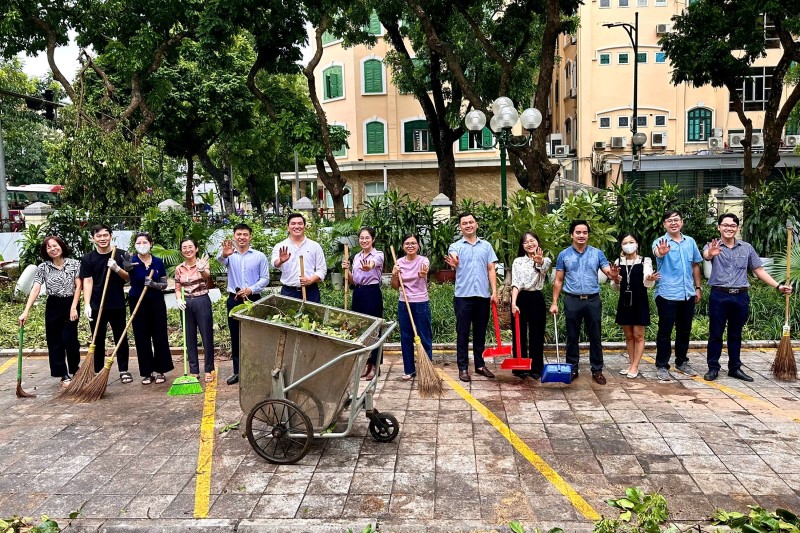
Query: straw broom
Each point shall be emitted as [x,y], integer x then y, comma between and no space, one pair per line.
[85,372]
[346,274]
[784,367]
[430,384]
[97,387]
[20,392]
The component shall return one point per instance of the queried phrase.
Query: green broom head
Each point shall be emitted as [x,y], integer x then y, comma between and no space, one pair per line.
[184,386]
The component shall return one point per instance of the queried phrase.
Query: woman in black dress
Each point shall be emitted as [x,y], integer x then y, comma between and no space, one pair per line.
[633,308]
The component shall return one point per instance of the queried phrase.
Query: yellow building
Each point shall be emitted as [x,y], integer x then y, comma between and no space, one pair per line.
[692,132]
[389,142]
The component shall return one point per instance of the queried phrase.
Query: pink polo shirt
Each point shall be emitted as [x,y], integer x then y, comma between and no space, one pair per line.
[416,287]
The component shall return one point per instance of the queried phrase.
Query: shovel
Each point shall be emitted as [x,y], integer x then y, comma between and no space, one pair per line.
[518,362]
[499,350]
[558,372]
[20,392]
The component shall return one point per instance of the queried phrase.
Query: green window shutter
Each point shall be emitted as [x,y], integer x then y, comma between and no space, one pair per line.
[327,38]
[374,24]
[332,78]
[375,138]
[341,151]
[463,142]
[410,126]
[488,138]
[373,76]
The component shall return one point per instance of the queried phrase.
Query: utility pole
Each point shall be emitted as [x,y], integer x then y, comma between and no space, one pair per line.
[3,184]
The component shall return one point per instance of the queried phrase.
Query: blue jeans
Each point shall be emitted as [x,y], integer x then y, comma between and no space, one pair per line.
[677,314]
[733,309]
[421,312]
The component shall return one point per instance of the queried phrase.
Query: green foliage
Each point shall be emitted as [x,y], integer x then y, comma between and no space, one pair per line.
[640,513]
[758,520]
[32,239]
[72,225]
[596,209]
[20,524]
[167,228]
[768,209]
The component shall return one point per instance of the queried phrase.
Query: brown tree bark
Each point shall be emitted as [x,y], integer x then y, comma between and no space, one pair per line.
[189,199]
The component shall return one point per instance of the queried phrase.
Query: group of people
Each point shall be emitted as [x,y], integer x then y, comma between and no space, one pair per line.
[101,275]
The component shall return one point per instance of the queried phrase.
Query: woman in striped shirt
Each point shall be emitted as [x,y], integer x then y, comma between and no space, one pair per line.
[59,273]
[191,293]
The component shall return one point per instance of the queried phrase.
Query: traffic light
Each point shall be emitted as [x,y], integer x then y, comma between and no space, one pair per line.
[49,108]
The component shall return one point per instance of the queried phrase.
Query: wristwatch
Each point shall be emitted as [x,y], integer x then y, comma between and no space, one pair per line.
[698,288]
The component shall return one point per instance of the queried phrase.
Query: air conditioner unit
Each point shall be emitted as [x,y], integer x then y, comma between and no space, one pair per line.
[735,140]
[573,92]
[715,143]
[601,145]
[791,140]
[758,140]
[661,29]
[658,139]
[619,142]
[562,150]
[716,132]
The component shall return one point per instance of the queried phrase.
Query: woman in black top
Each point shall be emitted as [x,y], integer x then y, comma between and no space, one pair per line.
[59,273]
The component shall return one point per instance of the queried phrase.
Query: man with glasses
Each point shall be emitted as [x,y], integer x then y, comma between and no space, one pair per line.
[729,301]
[677,292]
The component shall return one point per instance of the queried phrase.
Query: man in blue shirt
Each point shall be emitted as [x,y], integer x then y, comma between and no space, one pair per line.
[576,273]
[677,292]
[729,301]
[474,260]
[248,275]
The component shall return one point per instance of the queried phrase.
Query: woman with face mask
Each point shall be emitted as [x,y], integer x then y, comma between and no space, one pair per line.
[150,322]
[633,308]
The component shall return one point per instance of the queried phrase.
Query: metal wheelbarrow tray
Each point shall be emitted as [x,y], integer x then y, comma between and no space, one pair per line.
[294,384]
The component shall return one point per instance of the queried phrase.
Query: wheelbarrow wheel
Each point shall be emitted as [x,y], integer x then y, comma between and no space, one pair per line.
[279,431]
[386,430]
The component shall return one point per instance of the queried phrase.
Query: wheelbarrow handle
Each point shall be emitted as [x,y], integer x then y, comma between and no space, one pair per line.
[497,325]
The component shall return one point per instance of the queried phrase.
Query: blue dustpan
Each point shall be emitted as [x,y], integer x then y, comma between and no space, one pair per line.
[557,372]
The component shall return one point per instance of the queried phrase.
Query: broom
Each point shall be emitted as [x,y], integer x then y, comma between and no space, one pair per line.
[97,387]
[430,384]
[21,393]
[346,277]
[85,372]
[784,367]
[185,384]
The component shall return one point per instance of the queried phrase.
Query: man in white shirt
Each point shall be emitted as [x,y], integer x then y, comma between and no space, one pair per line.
[285,257]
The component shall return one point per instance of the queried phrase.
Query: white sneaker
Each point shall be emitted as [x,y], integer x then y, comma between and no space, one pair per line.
[623,372]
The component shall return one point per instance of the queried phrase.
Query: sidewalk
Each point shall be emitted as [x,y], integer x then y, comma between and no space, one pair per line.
[136,460]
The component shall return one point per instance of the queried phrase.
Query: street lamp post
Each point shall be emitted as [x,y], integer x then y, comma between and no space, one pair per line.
[504,118]
[637,139]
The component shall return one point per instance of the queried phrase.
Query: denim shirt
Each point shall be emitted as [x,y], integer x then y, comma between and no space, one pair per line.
[677,279]
[580,269]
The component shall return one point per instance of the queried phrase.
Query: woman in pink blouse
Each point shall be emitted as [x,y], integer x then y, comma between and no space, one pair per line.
[413,270]
[365,275]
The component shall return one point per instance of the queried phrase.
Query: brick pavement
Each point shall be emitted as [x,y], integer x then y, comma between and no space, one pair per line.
[128,462]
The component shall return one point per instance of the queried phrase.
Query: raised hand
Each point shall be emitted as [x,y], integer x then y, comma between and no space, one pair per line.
[227,247]
[538,256]
[613,271]
[452,260]
[366,265]
[655,276]
[423,271]
[662,248]
[714,248]
[202,264]
[283,254]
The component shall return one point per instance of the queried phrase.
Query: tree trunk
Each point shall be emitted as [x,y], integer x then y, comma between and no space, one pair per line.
[190,185]
[218,175]
[255,199]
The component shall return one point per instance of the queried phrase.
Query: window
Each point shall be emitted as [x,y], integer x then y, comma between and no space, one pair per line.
[624,3]
[347,198]
[417,136]
[660,3]
[623,122]
[641,57]
[605,59]
[373,76]
[376,137]
[605,122]
[341,151]
[328,38]
[771,38]
[661,57]
[641,121]
[605,3]
[373,189]
[568,126]
[698,123]
[469,141]
[641,3]
[623,58]
[374,26]
[332,83]
[660,120]
[755,89]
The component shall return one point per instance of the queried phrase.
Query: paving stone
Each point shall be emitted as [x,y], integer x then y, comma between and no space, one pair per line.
[414,506]
[238,505]
[277,506]
[366,506]
[321,506]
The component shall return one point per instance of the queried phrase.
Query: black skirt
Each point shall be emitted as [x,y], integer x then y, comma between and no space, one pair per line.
[638,312]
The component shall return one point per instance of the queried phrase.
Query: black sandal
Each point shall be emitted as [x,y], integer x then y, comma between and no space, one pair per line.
[125,377]
[160,379]
[146,381]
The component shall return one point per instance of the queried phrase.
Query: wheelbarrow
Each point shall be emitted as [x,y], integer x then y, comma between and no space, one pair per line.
[557,372]
[518,362]
[500,350]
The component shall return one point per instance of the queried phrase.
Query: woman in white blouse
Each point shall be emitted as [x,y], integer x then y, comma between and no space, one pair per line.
[633,308]
[528,273]
[59,273]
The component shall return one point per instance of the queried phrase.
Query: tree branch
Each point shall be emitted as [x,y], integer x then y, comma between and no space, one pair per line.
[51,61]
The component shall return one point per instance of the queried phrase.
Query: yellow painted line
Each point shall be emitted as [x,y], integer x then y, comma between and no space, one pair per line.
[202,487]
[540,464]
[791,415]
[8,364]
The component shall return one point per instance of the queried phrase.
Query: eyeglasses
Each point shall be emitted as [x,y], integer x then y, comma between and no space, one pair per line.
[409,244]
[733,226]
[673,220]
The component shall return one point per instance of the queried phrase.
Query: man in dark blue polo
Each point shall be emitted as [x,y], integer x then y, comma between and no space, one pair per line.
[729,301]
[576,272]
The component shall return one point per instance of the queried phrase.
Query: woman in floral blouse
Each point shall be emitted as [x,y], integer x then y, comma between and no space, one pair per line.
[528,273]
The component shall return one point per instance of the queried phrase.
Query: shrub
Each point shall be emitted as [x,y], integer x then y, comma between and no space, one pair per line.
[768,209]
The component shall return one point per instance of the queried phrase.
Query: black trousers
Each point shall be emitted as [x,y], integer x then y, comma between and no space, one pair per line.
[677,314]
[312,292]
[471,312]
[532,320]
[368,299]
[233,327]
[588,312]
[150,334]
[62,336]
[199,316]
[116,318]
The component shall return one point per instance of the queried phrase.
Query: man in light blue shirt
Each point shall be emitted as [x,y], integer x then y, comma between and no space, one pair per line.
[576,273]
[248,275]
[677,292]
[474,260]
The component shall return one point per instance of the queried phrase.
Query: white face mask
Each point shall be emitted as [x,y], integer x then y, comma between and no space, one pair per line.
[629,248]
[142,248]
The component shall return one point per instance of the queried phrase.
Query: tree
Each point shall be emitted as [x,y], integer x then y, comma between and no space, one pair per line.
[717,42]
